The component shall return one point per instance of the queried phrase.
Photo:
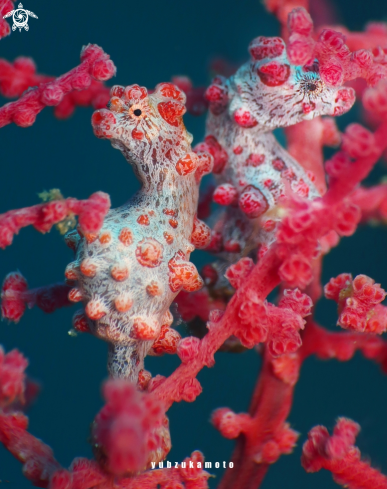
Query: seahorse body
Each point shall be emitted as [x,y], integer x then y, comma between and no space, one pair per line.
[129,274]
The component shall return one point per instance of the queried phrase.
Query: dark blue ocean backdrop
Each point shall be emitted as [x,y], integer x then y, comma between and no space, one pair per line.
[150,42]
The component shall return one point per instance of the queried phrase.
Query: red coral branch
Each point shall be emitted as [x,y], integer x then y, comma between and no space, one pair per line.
[95,64]
[15,296]
[5,6]
[305,143]
[338,454]
[91,212]
[265,433]
[337,63]
[12,377]
[16,77]
[129,432]
[20,75]
[181,385]
[359,303]
[372,202]
[342,346]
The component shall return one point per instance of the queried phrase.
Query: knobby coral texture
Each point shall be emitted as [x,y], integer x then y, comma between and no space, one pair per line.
[280,212]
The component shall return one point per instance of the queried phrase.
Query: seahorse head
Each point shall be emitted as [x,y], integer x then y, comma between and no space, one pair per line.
[145,127]
[270,92]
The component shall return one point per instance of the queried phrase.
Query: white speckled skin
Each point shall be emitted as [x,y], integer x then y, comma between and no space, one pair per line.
[251,107]
[149,239]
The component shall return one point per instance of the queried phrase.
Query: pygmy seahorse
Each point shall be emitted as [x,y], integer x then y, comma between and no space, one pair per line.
[128,275]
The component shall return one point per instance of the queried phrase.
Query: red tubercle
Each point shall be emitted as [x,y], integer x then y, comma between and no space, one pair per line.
[172,112]
[225,194]
[123,303]
[135,93]
[143,220]
[214,93]
[144,378]
[187,164]
[102,121]
[266,47]
[136,134]
[308,107]
[149,252]
[126,236]
[168,237]
[173,222]
[183,274]
[95,309]
[167,341]
[255,159]
[80,322]
[117,91]
[268,183]
[119,272]
[71,272]
[232,246]
[201,234]
[244,118]
[169,212]
[144,329]
[273,73]
[170,91]
[278,164]
[205,165]
[288,174]
[75,295]
[88,267]
[105,237]
[154,289]
[218,153]
[117,105]
[252,202]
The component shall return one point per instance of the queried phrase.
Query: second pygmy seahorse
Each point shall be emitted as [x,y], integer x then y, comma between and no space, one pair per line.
[252,169]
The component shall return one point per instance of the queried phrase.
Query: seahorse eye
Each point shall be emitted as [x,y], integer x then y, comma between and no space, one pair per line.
[311,87]
[137,112]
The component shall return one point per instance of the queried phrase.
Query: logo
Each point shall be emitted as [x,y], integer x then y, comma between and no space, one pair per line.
[20,18]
